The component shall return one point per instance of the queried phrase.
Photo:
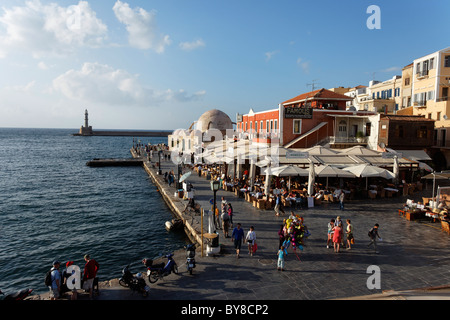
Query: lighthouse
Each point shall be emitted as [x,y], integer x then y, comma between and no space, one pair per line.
[86,130]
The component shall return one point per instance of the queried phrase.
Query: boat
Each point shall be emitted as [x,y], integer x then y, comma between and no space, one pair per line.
[175,224]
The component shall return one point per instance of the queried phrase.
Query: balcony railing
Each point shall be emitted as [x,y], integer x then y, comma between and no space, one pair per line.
[421,74]
[351,140]
[442,99]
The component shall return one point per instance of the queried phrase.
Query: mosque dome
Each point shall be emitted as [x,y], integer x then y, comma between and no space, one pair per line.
[214,119]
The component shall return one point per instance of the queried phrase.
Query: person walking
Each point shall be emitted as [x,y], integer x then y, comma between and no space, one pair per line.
[330,232]
[90,272]
[281,236]
[237,237]
[230,214]
[373,235]
[281,257]
[341,200]
[350,238]
[55,287]
[225,223]
[251,238]
[277,205]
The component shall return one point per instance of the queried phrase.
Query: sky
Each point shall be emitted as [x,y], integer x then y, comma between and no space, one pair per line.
[151,65]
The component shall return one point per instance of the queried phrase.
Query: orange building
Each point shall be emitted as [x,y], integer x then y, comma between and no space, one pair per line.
[306,120]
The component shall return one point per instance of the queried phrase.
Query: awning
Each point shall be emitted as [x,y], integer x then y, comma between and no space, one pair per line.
[415,155]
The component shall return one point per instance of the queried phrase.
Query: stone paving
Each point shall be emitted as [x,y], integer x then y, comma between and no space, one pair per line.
[413,254]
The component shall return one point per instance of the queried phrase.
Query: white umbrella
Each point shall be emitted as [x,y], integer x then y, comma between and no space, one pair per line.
[311,179]
[289,171]
[185,176]
[396,169]
[367,170]
[334,172]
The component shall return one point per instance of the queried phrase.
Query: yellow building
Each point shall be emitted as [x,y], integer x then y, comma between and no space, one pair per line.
[430,82]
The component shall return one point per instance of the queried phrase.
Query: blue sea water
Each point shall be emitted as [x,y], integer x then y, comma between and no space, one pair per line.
[54,207]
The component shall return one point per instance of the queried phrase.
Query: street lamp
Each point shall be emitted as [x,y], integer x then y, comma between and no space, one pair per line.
[215,185]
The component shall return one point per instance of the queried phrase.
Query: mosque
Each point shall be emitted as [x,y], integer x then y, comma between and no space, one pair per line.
[212,125]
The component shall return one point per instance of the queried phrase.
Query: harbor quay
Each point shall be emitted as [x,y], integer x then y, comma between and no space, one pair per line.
[413,255]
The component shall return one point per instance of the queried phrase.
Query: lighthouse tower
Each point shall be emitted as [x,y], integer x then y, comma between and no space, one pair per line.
[86,130]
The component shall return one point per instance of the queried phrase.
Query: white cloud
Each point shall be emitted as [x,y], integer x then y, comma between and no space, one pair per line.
[304,65]
[392,69]
[49,29]
[189,46]
[270,54]
[141,26]
[102,84]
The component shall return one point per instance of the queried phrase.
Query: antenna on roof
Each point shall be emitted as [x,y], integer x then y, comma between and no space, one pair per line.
[313,85]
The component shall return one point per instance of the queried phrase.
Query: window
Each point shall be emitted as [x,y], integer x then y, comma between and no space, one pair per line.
[271,125]
[256,126]
[422,132]
[398,132]
[438,118]
[275,125]
[297,126]
[447,62]
[407,81]
[429,116]
[267,125]
[250,127]
[261,126]
[342,126]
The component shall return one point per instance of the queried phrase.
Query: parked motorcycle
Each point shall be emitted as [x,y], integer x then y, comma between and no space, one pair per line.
[190,257]
[135,283]
[19,295]
[160,270]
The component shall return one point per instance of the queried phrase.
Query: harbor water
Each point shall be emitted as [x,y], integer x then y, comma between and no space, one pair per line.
[54,207]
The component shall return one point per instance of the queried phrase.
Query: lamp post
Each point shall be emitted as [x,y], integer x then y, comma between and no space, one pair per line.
[215,185]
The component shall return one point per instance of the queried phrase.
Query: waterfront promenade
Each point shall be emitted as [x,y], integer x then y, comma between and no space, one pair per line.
[412,255]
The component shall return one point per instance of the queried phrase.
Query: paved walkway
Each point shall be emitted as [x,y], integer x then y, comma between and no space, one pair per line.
[413,254]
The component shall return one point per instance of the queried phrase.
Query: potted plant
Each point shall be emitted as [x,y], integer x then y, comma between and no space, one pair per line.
[360,136]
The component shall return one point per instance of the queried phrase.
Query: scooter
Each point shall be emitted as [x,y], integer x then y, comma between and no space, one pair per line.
[19,295]
[160,270]
[135,283]
[190,257]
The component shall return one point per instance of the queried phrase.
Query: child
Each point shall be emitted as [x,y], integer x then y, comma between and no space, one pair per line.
[281,254]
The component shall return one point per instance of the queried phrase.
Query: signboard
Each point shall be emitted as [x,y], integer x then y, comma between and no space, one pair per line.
[298,113]
[296,155]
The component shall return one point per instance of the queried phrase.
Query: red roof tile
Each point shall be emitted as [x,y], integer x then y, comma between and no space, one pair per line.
[318,95]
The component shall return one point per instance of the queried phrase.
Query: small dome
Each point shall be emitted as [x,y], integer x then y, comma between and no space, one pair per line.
[214,119]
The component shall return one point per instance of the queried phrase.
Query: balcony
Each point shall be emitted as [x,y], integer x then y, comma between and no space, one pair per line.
[348,140]
[422,74]
[442,99]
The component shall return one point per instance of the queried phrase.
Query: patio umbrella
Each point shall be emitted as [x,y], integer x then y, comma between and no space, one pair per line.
[311,178]
[288,171]
[367,170]
[185,176]
[333,172]
[395,169]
